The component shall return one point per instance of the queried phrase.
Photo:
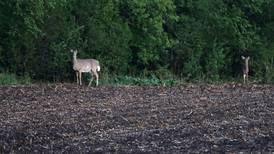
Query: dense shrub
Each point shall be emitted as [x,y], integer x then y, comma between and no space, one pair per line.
[193,40]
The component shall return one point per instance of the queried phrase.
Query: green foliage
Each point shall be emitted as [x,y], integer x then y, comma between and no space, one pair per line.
[146,20]
[215,61]
[187,39]
[12,79]
[138,81]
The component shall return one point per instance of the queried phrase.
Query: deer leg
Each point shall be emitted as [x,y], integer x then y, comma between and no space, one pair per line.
[80,78]
[244,78]
[96,75]
[91,79]
[77,77]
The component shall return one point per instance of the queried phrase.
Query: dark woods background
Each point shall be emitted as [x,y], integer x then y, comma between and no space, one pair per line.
[189,39]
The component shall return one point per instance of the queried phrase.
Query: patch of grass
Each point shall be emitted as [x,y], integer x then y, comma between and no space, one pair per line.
[12,79]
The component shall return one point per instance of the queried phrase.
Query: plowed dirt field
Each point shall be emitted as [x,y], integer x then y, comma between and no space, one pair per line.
[67,118]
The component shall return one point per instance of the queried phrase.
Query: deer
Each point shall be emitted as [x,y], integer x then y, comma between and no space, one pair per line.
[85,66]
[245,68]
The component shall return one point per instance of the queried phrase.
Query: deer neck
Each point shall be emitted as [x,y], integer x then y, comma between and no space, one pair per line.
[246,66]
[74,58]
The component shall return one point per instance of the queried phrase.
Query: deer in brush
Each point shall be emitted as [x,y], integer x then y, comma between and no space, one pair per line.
[85,66]
[245,68]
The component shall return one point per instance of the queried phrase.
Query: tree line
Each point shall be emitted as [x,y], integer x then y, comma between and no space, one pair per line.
[189,39]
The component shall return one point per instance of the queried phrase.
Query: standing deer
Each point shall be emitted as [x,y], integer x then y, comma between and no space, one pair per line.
[245,68]
[85,66]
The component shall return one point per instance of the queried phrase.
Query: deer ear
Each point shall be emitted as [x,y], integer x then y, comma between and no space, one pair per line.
[243,57]
[248,58]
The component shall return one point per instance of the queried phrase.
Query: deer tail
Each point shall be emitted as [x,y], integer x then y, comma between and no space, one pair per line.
[98,68]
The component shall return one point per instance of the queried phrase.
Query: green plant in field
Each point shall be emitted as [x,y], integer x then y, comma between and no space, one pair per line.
[138,81]
[12,79]
[8,79]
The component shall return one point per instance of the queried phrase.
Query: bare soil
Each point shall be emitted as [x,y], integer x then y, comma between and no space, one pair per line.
[67,118]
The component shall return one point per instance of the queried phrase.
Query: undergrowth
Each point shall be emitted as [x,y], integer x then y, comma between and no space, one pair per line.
[139,81]
[12,79]
[120,80]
